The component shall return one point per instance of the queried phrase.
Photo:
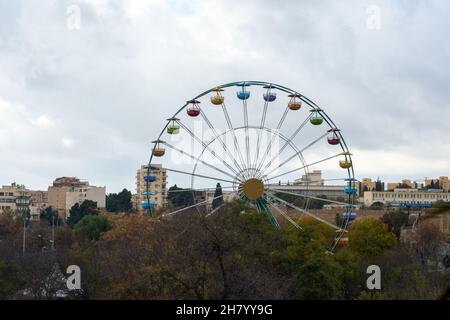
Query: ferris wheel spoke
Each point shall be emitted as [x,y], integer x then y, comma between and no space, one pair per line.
[288,184]
[192,206]
[285,215]
[208,148]
[261,126]
[303,211]
[262,206]
[293,156]
[272,139]
[198,159]
[338,179]
[289,140]
[198,175]
[305,166]
[302,195]
[230,127]
[219,207]
[247,142]
[201,189]
[220,140]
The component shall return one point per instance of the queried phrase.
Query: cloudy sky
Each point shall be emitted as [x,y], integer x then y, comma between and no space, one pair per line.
[86,85]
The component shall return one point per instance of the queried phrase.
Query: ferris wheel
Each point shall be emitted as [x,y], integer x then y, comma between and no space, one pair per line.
[255,139]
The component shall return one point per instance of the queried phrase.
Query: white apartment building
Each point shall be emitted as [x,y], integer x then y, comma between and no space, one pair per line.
[405,196]
[14,197]
[17,198]
[8,198]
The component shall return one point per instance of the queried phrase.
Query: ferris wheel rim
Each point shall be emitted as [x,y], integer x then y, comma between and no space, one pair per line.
[303,98]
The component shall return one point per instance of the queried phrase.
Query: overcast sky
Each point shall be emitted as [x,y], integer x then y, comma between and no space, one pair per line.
[85,100]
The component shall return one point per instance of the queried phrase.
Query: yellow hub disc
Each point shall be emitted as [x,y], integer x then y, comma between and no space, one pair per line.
[253,188]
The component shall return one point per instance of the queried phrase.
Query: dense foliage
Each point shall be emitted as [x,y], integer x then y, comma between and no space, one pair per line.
[180,197]
[93,226]
[233,254]
[78,211]
[51,216]
[119,202]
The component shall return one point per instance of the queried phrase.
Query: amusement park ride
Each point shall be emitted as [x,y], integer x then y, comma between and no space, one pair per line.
[247,165]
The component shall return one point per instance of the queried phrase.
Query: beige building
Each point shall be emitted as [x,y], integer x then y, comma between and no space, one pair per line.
[443,182]
[17,197]
[67,191]
[366,184]
[314,185]
[8,197]
[38,201]
[405,182]
[157,188]
[331,192]
[404,196]
[313,178]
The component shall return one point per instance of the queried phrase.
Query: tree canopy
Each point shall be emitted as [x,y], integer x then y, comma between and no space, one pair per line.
[119,202]
[93,226]
[217,202]
[371,237]
[51,217]
[233,254]
[78,211]
[180,197]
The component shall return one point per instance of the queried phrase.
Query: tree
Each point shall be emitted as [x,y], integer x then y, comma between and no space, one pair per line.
[313,273]
[338,219]
[125,204]
[318,276]
[111,202]
[189,257]
[77,212]
[437,185]
[317,204]
[395,220]
[93,226]
[370,237]
[8,279]
[431,185]
[40,277]
[379,186]
[180,197]
[440,207]
[217,202]
[119,202]
[51,216]
[428,244]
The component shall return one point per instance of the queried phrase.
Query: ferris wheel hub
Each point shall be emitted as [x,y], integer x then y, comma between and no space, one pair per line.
[253,188]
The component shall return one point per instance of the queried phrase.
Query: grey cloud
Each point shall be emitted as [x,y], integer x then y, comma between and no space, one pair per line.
[112,83]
